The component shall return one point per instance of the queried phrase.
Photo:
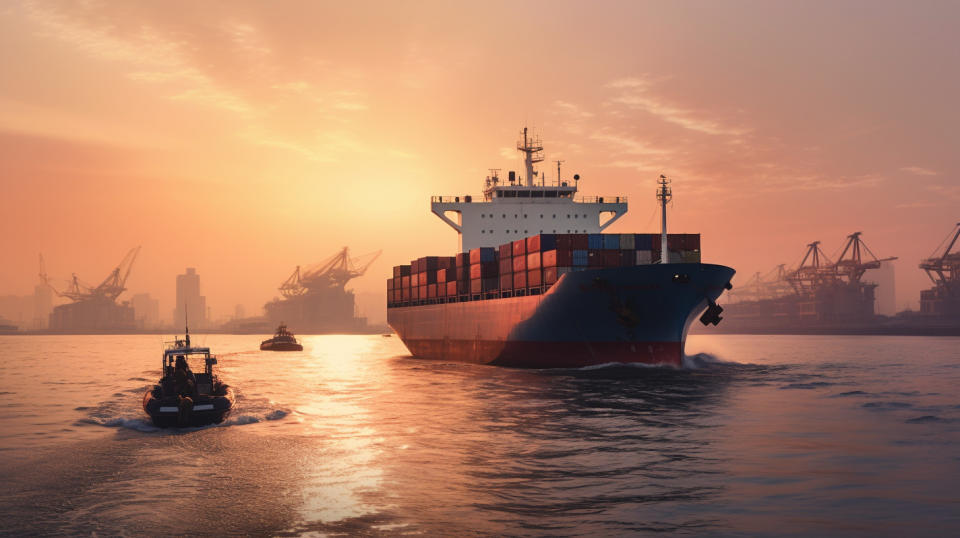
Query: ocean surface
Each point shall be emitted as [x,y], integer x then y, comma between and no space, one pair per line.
[755,436]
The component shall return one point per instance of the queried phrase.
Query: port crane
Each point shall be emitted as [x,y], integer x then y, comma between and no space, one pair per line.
[334,272]
[944,269]
[111,287]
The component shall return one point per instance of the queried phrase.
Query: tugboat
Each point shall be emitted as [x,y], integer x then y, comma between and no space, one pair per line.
[183,398]
[282,341]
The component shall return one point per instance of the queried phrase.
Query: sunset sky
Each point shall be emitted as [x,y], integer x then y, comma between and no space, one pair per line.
[245,138]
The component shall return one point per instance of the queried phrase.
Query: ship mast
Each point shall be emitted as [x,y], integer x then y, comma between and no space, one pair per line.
[532,150]
[664,194]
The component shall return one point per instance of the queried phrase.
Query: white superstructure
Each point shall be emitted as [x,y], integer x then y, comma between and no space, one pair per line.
[520,207]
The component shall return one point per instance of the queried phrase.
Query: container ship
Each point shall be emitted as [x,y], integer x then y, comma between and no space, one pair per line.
[537,284]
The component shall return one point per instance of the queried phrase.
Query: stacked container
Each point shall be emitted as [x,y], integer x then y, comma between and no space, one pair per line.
[528,265]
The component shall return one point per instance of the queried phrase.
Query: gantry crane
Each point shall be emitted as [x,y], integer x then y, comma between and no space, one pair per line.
[334,272]
[944,269]
[108,290]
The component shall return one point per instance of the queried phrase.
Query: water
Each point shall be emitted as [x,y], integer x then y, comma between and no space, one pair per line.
[757,435]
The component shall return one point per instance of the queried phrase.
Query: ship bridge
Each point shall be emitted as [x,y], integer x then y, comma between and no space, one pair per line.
[521,207]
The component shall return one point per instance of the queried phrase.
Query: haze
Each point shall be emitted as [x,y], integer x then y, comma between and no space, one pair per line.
[245,138]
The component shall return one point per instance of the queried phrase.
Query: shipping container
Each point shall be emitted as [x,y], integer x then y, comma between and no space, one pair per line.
[558,257]
[627,241]
[431,291]
[595,258]
[611,258]
[689,256]
[519,264]
[463,259]
[581,258]
[541,242]
[644,257]
[405,294]
[506,265]
[463,273]
[415,280]
[405,281]
[520,280]
[643,241]
[628,258]
[506,281]
[549,275]
[482,254]
[429,277]
[581,241]
[429,263]
[451,289]
[594,241]
[483,285]
[483,270]
[505,250]
[533,261]
[463,287]
[534,278]
[565,241]
[519,247]
[611,241]
[401,271]
[446,275]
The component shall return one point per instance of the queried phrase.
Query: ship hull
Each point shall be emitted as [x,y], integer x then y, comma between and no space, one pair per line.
[637,314]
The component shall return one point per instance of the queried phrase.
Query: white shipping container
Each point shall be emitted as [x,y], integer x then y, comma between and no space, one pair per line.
[626,242]
[644,257]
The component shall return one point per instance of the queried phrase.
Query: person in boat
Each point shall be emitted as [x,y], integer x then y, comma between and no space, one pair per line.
[185,387]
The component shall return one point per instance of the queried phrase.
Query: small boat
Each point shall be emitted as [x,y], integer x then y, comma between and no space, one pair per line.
[183,398]
[282,341]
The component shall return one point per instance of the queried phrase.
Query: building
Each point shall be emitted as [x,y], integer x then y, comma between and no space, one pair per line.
[191,306]
[885,292]
[42,306]
[146,310]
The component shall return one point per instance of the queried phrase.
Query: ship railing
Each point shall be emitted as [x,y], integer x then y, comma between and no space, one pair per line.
[467,198]
[600,199]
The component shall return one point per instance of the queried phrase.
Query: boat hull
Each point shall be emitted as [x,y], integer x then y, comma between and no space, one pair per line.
[637,314]
[281,346]
[165,413]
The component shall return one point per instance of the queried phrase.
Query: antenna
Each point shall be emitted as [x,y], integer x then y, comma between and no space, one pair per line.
[532,149]
[558,172]
[664,194]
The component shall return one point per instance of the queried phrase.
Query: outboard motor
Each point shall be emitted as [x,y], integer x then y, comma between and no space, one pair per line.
[712,315]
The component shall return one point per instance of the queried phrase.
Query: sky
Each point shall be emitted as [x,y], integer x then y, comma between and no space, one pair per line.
[245,138]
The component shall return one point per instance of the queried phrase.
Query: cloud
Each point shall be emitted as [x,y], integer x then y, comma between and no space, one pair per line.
[636,94]
[919,171]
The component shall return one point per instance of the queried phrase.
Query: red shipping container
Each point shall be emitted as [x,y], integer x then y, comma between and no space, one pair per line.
[431,291]
[441,275]
[549,275]
[483,270]
[415,280]
[405,281]
[506,265]
[463,287]
[463,259]
[565,241]
[559,257]
[519,264]
[611,258]
[505,250]
[628,258]
[441,289]
[451,289]
[533,260]
[463,273]
[534,278]
[429,277]
[519,247]
[520,280]
[506,281]
[405,294]
[581,242]
[595,258]
[476,285]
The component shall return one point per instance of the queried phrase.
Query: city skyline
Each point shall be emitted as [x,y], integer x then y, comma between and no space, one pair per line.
[242,142]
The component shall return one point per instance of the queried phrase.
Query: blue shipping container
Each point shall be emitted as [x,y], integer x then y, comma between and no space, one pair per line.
[643,242]
[595,241]
[580,258]
[611,241]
